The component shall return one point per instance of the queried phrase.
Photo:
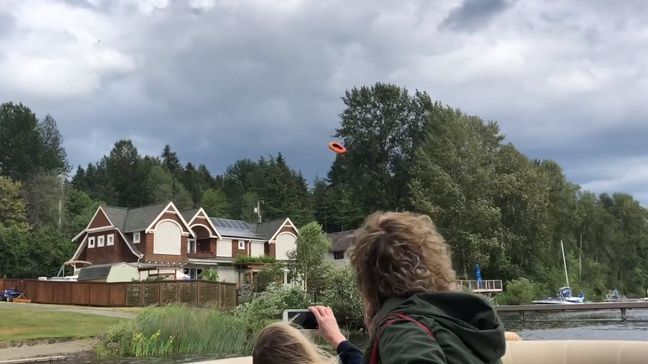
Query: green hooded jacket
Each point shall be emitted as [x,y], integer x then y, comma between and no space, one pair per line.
[466,330]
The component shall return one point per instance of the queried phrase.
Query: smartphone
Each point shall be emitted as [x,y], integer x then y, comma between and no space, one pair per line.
[303,319]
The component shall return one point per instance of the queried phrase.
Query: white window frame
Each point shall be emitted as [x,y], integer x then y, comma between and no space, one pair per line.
[91,242]
[110,239]
[101,241]
[241,244]
[136,237]
[191,243]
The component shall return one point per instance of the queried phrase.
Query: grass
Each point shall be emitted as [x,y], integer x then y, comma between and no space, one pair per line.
[25,323]
[176,330]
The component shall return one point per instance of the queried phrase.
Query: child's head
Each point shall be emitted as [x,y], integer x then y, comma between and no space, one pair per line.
[281,343]
[397,254]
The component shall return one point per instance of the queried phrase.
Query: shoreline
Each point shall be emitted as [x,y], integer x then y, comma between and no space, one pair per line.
[26,351]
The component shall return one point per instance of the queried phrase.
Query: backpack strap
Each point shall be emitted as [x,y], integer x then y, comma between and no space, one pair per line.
[388,321]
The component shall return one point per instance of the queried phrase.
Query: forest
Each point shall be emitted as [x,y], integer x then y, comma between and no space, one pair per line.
[495,206]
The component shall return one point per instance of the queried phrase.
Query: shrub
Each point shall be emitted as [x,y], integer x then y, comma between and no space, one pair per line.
[520,291]
[210,275]
[176,329]
[264,259]
[272,273]
[343,297]
[268,306]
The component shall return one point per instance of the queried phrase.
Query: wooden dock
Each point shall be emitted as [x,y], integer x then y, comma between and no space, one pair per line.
[623,307]
[483,286]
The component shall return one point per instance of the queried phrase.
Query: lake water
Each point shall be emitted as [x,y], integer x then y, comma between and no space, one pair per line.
[555,326]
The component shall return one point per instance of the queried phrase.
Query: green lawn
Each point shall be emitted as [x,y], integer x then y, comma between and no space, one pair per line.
[25,323]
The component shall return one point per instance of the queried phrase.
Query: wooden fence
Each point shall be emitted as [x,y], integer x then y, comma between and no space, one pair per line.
[197,293]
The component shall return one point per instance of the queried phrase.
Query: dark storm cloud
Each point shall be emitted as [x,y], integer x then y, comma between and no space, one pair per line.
[224,80]
[473,14]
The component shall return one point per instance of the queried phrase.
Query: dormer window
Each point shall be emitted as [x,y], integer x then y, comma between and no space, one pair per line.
[136,238]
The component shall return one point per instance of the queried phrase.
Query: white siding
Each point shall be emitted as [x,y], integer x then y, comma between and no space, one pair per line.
[167,239]
[227,274]
[257,248]
[224,248]
[284,243]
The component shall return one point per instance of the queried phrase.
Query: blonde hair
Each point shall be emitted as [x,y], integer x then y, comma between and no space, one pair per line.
[281,343]
[397,254]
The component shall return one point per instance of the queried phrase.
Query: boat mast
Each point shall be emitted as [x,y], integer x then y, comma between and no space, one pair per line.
[562,247]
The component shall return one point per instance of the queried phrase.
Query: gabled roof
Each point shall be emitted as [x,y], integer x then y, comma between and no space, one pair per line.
[189,214]
[133,219]
[195,213]
[341,241]
[267,229]
[140,218]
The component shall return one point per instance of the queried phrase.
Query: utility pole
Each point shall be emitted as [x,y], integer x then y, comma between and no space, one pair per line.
[257,210]
[580,257]
[60,205]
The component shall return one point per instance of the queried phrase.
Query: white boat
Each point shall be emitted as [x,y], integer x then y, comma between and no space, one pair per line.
[565,294]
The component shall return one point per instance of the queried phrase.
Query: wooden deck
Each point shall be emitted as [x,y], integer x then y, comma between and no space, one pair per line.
[623,307]
[484,286]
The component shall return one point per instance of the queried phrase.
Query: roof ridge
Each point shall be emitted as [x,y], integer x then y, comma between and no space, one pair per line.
[150,205]
[115,207]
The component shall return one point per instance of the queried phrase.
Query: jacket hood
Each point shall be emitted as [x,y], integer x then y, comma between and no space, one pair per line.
[470,317]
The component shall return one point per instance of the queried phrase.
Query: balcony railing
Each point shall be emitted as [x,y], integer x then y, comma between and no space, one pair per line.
[201,255]
[490,285]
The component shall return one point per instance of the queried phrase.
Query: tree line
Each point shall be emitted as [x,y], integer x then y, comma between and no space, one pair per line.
[495,206]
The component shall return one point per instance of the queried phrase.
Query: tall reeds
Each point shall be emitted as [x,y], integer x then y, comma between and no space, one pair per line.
[178,330]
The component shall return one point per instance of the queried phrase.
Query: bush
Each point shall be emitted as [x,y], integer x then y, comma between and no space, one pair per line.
[272,273]
[176,329]
[264,259]
[210,275]
[343,298]
[268,306]
[521,291]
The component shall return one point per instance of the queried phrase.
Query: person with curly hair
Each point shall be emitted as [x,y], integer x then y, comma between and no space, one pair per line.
[413,309]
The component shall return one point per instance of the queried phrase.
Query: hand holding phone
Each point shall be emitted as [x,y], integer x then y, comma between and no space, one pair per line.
[328,326]
[304,319]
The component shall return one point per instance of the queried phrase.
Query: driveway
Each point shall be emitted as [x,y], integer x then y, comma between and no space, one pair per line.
[119,312]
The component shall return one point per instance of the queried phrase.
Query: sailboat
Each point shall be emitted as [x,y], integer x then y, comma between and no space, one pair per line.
[565,294]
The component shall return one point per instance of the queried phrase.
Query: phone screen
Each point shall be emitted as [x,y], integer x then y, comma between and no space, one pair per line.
[303,319]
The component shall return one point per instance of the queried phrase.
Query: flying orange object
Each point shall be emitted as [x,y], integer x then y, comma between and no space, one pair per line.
[337,148]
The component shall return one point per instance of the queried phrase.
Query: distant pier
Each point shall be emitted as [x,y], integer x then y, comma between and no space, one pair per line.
[623,307]
[484,286]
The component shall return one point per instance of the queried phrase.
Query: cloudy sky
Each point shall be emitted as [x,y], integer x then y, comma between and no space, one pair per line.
[220,80]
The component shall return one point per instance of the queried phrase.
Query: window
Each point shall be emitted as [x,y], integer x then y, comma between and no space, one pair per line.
[100,241]
[91,242]
[338,255]
[110,239]
[241,244]
[191,245]
[167,238]
[136,238]
[193,273]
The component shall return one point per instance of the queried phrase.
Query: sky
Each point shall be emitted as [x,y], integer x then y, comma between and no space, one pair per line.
[222,80]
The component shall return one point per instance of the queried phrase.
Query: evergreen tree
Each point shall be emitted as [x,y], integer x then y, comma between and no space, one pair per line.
[54,159]
[21,144]
[171,162]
